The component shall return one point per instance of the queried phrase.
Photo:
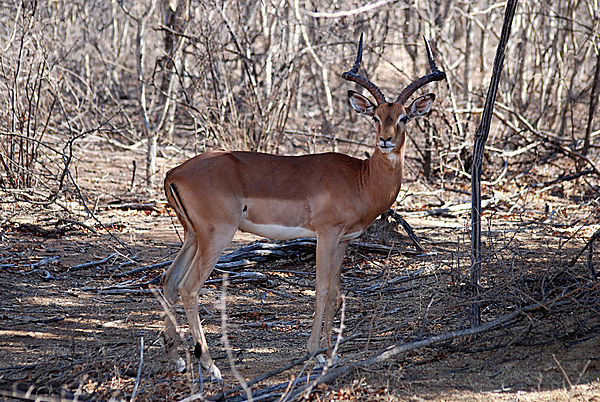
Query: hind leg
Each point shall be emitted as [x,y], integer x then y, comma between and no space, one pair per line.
[171,281]
[205,259]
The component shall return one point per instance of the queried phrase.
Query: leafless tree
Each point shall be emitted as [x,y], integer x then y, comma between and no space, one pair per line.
[264,75]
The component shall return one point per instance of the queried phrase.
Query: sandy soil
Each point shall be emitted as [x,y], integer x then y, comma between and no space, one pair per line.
[74,332]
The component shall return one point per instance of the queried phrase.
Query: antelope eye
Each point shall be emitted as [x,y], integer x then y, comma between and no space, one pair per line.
[376,119]
[403,119]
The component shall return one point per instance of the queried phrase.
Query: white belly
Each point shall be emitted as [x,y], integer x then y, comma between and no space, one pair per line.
[351,236]
[273,231]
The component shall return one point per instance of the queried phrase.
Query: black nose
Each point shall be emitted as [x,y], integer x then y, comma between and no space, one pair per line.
[388,139]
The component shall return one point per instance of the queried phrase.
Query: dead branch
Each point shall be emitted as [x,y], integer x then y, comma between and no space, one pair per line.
[356,11]
[144,268]
[259,252]
[387,354]
[94,263]
[138,206]
[593,106]
[409,231]
[569,177]
[293,363]
[451,210]
[396,350]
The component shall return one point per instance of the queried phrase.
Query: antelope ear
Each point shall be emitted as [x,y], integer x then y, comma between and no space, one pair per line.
[421,106]
[361,104]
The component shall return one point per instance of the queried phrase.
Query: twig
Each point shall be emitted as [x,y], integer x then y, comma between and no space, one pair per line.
[590,264]
[453,210]
[28,320]
[93,263]
[379,286]
[46,261]
[587,364]
[590,247]
[282,294]
[360,10]
[28,396]
[68,172]
[139,371]
[144,268]
[225,340]
[83,225]
[244,276]
[139,206]
[562,370]
[260,252]
[397,349]
[279,370]
[126,291]
[565,178]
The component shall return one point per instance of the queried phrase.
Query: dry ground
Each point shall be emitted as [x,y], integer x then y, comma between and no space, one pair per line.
[74,332]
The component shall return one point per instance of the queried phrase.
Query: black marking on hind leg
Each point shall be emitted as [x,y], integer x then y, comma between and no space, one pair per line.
[197,351]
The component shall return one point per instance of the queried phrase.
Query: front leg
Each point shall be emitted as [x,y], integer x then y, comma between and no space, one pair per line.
[333,294]
[330,253]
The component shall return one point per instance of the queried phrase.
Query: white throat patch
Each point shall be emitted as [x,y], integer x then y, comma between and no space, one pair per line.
[393,158]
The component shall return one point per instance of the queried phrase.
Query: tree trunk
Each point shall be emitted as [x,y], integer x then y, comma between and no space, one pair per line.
[480,139]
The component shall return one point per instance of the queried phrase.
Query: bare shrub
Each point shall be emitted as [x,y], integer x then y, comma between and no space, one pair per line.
[265,76]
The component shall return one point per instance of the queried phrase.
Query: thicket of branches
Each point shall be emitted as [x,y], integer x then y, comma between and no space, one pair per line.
[265,75]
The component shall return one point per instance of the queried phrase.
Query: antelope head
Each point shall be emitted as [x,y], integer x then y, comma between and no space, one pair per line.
[391,117]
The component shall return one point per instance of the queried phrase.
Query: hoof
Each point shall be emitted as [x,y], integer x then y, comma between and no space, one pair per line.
[181,366]
[215,373]
[321,361]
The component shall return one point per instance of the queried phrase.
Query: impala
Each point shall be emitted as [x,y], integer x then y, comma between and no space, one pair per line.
[330,196]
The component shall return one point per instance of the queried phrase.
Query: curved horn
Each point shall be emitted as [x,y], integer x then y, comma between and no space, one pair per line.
[363,82]
[435,75]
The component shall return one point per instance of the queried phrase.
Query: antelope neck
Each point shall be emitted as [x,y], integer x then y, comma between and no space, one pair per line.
[383,176]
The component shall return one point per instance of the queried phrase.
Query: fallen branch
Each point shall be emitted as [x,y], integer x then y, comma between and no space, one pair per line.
[451,210]
[396,350]
[126,291]
[261,252]
[279,370]
[561,179]
[93,263]
[83,225]
[449,336]
[138,206]
[406,228]
[31,320]
[144,268]
[29,395]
